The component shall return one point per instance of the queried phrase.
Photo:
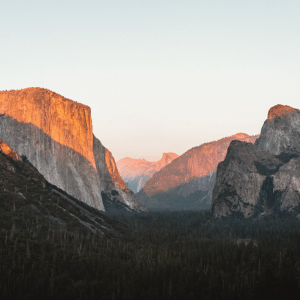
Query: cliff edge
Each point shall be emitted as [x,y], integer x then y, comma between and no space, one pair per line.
[56,135]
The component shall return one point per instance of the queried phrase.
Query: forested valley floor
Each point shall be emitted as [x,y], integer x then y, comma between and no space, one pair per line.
[160,255]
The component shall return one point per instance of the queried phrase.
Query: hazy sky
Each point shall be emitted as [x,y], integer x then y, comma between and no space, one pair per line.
[159,76]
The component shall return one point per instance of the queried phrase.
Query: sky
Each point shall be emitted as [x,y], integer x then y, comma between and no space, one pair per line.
[159,76]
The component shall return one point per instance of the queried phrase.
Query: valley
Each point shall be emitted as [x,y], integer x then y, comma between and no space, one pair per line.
[159,255]
[220,221]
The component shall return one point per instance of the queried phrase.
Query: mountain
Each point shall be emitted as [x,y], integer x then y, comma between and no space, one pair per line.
[136,172]
[188,181]
[263,178]
[55,134]
[281,130]
[30,205]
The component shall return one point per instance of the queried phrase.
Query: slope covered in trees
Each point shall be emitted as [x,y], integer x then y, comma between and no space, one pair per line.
[178,255]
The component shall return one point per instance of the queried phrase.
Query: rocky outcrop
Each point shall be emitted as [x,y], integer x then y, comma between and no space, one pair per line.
[263,178]
[113,187]
[281,130]
[251,182]
[55,134]
[188,181]
[136,172]
[4,148]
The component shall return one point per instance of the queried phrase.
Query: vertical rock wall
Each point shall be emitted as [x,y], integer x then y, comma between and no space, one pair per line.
[111,182]
[56,135]
[281,130]
[67,122]
[264,178]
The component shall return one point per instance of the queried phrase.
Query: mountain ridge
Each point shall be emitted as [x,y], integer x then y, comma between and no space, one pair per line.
[188,170]
[188,181]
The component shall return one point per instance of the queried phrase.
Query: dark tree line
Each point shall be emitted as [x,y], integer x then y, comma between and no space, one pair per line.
[162,255]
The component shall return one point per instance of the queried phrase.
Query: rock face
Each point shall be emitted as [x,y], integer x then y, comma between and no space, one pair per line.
[55,134]
[4,148]
[136,172]
[114,189]
[263,178]
[23,186]
[188,181]
[281,131]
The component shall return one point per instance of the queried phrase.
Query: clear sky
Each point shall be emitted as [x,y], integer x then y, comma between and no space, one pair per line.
[160,75]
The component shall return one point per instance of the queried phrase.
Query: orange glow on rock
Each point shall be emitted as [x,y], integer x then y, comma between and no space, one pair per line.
[9,151]
[64,120]
[278,110]
[113,171]
[196,162]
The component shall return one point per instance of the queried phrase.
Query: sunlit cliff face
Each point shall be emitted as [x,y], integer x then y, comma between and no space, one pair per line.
[55,134]
[113,171]
[278,110]
[65,121]
[9,151]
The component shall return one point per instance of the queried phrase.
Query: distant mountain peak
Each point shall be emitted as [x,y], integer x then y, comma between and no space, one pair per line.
[167,158]
[279,110]
[136,172]
[169,154]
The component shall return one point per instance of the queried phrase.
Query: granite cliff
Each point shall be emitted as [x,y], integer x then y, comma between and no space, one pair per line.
[55,134]
[136,172]
[263,178]
[188,181]
[281,130]
[27,198]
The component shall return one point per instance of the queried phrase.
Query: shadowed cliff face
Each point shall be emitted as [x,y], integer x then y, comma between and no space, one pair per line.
[263,178]
[111,182]
[61,165]
[56,135]
[251,181]
[41,202]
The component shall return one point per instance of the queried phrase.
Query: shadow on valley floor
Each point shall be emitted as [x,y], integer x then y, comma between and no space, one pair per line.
[193,195]
[161,255]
